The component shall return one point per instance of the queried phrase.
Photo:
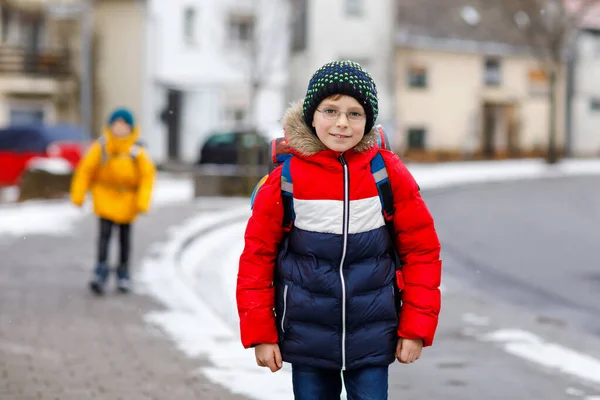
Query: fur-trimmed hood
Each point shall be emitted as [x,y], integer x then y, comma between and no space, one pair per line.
[302,139]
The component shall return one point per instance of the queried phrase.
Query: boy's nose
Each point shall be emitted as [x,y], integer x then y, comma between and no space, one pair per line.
[342,119]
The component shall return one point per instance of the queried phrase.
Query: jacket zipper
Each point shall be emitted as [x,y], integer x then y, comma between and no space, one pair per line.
[285,292]
[345,223]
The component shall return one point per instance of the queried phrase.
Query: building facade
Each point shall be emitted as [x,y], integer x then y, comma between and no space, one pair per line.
[38,77]
[469,85]
[357,30]
[213,65]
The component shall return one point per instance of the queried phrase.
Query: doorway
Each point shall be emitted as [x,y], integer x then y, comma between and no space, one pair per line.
[171,116]
[500,131]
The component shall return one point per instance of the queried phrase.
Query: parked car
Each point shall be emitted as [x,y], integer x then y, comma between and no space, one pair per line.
[19,144]
[243,147]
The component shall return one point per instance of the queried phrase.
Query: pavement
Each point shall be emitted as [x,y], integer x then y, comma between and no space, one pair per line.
[490,343]
[60,342]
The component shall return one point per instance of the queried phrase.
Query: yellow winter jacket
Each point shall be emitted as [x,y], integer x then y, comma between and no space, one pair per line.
[121,182]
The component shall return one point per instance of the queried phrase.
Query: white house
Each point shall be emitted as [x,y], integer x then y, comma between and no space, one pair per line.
[585,97]
[359,30]
[201,57]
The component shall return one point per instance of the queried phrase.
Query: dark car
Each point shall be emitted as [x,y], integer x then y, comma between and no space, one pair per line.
[243,147]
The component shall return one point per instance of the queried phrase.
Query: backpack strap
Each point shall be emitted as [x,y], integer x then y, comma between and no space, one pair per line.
[383,187]
[256,189]
[135,150]
[380,176]
[103,152]
[287,195]
[382,139]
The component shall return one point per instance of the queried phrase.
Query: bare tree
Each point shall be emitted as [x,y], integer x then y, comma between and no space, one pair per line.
[549,28]
[267,47]
[265,54]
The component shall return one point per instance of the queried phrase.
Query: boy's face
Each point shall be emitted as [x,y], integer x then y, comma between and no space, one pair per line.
[340,122]
[120,129]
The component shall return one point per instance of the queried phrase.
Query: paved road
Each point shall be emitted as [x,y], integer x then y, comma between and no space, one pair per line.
[516,255]
[58,342]
[533,244]
[514,258]
[524,255]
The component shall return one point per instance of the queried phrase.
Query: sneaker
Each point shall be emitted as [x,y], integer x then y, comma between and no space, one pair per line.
[99,279]
[123,279]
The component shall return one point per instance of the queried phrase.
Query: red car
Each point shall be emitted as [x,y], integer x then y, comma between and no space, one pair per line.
[20,144]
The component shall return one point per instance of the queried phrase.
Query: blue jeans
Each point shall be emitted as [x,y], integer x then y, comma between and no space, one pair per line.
[311,383]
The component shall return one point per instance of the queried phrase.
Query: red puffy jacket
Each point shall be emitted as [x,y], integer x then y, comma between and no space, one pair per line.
[415,238]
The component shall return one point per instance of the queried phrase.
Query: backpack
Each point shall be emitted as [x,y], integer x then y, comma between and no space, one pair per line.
[279,154]
[134,151]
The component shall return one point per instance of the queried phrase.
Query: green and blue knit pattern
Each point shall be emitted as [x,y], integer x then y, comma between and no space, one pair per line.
[342,77]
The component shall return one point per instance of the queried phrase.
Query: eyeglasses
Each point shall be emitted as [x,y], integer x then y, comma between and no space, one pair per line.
[331,114]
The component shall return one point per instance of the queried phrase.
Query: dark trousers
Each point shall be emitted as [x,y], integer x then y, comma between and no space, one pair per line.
[370,383]
[106,228]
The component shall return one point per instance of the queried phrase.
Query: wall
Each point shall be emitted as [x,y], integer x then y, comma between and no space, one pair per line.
[334,35]
[120,27]
[450,107]
[212,73]
[586,122]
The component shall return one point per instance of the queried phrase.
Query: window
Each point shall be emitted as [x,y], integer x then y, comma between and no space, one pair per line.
[3,24]
[595,105]
[189,25]
[234,115]
[538,82]
[10,26]
[250,140]
[241,29]
[354,7]
[596,51]
[595,39]
[26,115]
[299,25]
[417,77]
[493,72]
[31,29]
[416,138]
[221,139]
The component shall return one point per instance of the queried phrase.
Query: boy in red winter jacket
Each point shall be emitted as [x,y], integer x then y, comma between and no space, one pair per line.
[340,290]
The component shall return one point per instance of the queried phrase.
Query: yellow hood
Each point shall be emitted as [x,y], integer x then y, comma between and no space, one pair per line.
[116,145]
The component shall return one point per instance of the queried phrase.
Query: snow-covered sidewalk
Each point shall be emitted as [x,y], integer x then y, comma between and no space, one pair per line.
[195,276]
[56,217]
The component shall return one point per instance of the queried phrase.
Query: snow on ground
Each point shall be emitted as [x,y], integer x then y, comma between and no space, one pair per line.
[57,166]
[199,328]
[195,278]
[9,194]
[551,355]
[194,325]
[433,176]
[57,217]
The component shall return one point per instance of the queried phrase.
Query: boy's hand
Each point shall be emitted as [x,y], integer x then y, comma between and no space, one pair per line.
[408,350]
[268,355]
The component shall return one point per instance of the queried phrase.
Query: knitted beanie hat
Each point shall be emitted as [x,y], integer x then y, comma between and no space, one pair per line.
[124,114]
[342,77]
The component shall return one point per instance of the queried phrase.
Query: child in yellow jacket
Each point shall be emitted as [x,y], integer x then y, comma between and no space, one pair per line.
[120,175]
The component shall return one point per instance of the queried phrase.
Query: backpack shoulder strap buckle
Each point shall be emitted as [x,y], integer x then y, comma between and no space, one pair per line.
[287,195]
